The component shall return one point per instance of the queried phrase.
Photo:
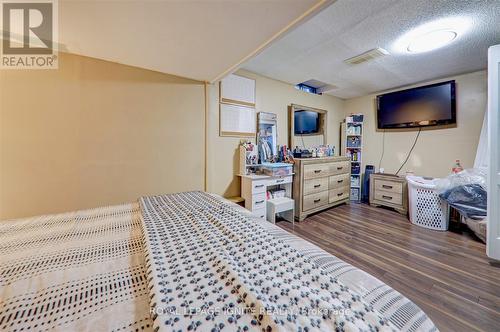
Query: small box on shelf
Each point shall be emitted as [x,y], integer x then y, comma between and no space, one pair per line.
[355,118]
[355,168]
[277,169]
[353,141]
[353,129]
[355,180]
[355,194]
[354,155]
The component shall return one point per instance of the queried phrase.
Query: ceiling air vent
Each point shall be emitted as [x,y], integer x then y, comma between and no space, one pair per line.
[367,56]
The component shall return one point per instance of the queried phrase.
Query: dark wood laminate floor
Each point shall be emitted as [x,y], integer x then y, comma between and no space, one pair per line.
[446,274]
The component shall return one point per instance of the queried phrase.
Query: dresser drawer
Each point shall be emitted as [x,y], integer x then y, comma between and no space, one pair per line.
[258,187]
[339,181]
[260,213]
[259,201]
[315,171]
[389,186]
[283,180]
[339,167]
[388,197]
[313,201]
[338,194]
[312,186]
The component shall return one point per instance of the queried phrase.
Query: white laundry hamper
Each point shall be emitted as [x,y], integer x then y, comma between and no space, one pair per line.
[426,208]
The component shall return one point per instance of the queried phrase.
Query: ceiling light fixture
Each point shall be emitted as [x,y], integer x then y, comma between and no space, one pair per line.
[431,41]
[432,35]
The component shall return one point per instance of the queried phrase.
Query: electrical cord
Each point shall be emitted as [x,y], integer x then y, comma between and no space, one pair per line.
[411,150]
[303,144]
[383,149]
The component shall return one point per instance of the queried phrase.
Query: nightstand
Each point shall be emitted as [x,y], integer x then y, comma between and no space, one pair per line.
[389,190]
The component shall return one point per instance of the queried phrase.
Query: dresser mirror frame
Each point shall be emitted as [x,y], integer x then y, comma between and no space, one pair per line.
[316,139]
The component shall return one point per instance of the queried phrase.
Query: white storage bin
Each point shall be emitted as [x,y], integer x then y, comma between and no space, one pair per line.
[426,208]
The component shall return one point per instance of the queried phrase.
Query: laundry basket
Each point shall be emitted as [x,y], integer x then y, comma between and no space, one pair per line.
[426,208]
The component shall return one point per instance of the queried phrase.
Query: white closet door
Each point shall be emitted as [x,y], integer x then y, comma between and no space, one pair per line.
[493,240]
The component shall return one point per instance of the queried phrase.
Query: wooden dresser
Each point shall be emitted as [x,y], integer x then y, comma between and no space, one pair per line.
[389,190]
[320,183]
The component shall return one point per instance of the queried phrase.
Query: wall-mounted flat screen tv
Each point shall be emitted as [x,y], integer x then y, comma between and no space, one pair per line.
[306,122]
[430,105]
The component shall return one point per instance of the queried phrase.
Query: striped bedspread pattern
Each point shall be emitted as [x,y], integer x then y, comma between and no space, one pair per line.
[88,271]
[77,271]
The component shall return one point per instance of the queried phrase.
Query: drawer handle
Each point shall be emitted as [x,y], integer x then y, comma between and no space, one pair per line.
[317,200]
[340,181]
[339,168]
[317,185]
[317,171]
[386,197]
[279,181]
[259,202]
[386,186]
[340,194]
[259,186]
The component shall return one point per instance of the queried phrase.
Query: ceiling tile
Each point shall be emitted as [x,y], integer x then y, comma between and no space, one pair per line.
[317,48]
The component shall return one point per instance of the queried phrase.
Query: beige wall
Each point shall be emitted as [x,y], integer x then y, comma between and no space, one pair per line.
[436,149]
[94,133]
[273,97]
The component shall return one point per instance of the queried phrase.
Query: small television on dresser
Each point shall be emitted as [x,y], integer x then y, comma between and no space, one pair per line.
[430,105]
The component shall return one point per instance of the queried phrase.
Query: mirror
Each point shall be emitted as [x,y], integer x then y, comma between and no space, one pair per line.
[267,136]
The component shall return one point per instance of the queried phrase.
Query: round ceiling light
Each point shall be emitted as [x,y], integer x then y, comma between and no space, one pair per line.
[432,35]
[431,41]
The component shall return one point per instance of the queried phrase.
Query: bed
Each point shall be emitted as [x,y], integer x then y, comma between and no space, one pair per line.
[183,262]
[478,226]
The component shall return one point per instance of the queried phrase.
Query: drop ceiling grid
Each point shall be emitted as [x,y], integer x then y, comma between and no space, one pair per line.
[316,49]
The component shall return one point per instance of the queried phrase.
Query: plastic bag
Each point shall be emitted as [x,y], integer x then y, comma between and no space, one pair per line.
[470,200]
[466,192]
[467,176]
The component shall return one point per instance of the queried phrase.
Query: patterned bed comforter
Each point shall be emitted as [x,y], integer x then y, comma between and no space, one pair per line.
[188,261]
[77,271]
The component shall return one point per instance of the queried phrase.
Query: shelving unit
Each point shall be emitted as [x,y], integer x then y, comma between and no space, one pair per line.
[352,147]
[248,160]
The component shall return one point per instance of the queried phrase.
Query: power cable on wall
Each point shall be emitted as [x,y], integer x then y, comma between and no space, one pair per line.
[411,150]
[383,150]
